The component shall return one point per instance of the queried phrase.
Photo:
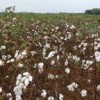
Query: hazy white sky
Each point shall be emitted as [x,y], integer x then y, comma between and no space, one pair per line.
[44,6]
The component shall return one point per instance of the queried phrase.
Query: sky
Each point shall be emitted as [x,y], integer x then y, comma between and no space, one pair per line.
[50,6]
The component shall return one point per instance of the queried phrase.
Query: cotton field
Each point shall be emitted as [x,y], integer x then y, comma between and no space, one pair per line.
[53,62]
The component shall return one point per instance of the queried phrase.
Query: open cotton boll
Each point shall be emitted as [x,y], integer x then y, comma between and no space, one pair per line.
[4,57]
[26,74]
[70,87]
[9,95]
[12,60]
[97,56]
[30,78]
[66,62]
[72,27]
[17,90]
[67,70]
[16,54]
[50,76]
[84,93]
[47,46]
[3,47]
[40,65]
[51,54]
[23,79]
[19,77]
[61,97]
[21,85]
[75,85]
[50,98]
[24,53]
[20,65]
[33,53]
[98,88]
[44,93]
[1,62]
[26,82]
[0,89]
[52,62]
[18,82]
[18,97]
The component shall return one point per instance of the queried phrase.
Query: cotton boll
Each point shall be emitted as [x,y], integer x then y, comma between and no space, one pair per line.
[26,74]
[4,57]
[9,56]
[17,90]
[33,53]
[51,98]
[72,27]
[75,85]
[1,62]
[16,54]
[58,57]
[66,62]
[30,78]
[50,76]
[9,95]
[18,97]
[40,70]
[84,93]
[0,89]
[24,53]
[26,82]
[23,79]
[19,77]
[40,65]
[3,47]
[8,62]
[51,54]
[52,62]
[21,85]
[67,70]
[61,97]
[20,65]
[47,46]
[98,88]
[44,93]
[18,82]
[12,60]
[97,56]
[70,87]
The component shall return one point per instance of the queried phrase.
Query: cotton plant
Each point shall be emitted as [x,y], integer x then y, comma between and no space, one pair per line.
[22,81]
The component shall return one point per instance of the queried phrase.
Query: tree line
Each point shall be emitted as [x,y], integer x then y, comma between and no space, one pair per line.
[95,11]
